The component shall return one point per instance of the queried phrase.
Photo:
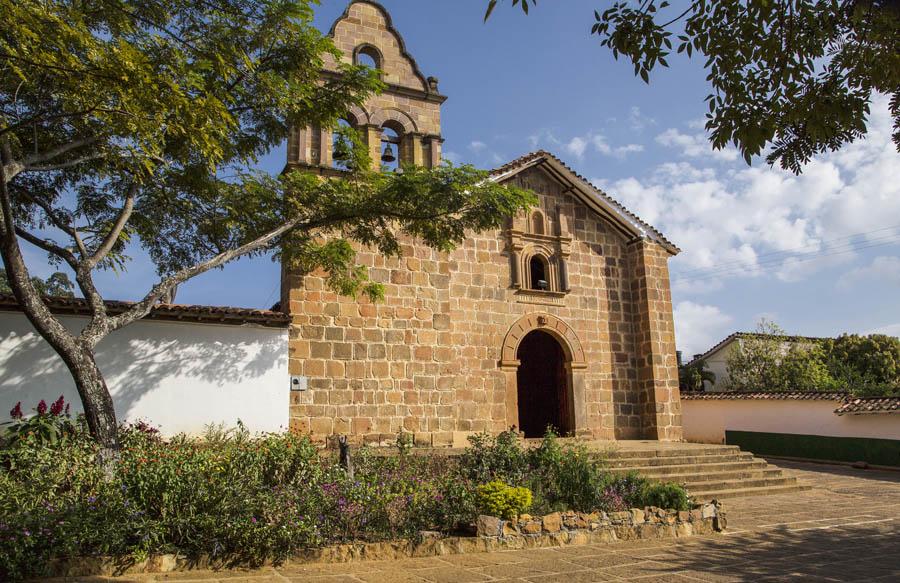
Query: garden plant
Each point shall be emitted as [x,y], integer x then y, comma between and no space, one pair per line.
[244,499]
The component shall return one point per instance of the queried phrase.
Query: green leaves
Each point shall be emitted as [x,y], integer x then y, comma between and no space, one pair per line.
[791,79]
[493,4]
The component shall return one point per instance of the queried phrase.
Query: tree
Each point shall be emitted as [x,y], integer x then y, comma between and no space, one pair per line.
[866,365]
[57,285]
[768,360]
[791,78]
[126,122]
[692,376]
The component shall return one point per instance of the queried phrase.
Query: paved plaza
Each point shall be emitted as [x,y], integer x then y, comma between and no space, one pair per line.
[847,528]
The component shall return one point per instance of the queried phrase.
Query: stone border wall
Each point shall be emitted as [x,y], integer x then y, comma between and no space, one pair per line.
[582,528]
[494,534]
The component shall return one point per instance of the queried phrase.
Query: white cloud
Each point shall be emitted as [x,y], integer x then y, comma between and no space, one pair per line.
[695,145]
[736,221]
[578,146]
[883,270]
[451,156]
[698,327]
[477,146]
[637,120]
[543,138]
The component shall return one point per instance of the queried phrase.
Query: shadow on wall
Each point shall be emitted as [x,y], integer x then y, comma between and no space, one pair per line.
[175,374]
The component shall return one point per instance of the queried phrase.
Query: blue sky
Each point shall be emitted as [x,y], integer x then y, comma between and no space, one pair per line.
[819,254]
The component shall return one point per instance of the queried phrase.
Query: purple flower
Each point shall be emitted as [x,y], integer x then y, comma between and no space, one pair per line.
[253,520]
[57,407]
[16,412]
[42,407]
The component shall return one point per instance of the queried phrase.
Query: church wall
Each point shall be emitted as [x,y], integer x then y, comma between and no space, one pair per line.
[427,359]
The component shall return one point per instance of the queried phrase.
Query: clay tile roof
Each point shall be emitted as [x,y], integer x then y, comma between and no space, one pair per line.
[762,395]
[861,406]
[171,312]
[540,156]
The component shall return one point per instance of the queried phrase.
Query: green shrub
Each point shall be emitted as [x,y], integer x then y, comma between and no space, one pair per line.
[494,458]
[667,495]
[499,499]
[249,499]
[564,477]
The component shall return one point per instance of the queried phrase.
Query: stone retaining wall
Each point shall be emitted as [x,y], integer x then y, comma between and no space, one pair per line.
[494,534]
[573,527]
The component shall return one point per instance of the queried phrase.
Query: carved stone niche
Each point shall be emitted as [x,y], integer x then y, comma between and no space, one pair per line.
[538,251]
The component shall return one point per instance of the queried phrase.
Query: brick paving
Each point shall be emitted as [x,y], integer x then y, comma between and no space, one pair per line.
[847,528]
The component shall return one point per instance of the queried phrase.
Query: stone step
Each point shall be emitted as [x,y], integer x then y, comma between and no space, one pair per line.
[687,469]
[680,460]
[649,452]
[706,495]
[742,484]
[702,477]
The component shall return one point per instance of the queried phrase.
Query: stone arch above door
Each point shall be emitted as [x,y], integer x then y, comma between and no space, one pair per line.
[546,323]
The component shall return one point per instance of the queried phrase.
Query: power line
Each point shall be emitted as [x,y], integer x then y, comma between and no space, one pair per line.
[811,257]
[785,252]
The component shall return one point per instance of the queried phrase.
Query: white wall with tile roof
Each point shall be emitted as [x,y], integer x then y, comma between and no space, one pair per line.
[705,421]
[178,376]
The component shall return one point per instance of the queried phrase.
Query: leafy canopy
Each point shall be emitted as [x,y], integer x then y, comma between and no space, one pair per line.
[57,285]
[790,78]
[771,361]
[126,121]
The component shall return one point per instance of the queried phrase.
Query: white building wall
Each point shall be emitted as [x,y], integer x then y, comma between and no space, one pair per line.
[705,421]
[179,376]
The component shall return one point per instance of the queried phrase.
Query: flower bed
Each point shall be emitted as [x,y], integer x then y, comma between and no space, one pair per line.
[237,499]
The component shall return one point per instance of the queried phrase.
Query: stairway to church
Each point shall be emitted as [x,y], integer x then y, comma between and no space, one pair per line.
[707,471]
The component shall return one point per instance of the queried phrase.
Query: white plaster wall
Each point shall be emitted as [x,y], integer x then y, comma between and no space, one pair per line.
[705,421]
[179,376]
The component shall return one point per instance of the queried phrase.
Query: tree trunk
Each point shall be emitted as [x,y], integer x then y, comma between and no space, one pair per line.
[98,404]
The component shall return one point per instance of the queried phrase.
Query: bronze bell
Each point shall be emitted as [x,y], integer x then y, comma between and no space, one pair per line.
[388,156]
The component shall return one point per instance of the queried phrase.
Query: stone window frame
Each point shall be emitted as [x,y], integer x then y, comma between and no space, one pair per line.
[537,225]
[370,51]
[555,249]
[551,269]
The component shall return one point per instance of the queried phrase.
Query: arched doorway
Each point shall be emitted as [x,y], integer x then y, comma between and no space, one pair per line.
[544,395]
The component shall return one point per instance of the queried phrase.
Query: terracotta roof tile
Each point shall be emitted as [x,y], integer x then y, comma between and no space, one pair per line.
[543,154]
[763,395]
[173,312]
[861,406]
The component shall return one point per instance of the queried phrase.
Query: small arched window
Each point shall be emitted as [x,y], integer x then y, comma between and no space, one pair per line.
[537,223]
[539,272]
[367,56]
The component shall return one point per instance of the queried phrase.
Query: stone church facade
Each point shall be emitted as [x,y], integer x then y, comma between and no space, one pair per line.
[562,318]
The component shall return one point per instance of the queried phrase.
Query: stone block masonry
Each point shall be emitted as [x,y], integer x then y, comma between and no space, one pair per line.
[563,317]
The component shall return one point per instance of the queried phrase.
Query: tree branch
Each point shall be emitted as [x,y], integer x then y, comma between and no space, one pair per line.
[113,236]
[48,246]
[142,308]
[35,159]
[63,165]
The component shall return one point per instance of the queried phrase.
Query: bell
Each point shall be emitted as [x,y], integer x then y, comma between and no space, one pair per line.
[388,156]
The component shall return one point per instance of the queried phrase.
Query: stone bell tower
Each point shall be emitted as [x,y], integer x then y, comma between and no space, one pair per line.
[402,124]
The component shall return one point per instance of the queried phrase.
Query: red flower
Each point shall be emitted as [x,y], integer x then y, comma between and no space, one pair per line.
[16,412]
[57,407]
[42,407]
